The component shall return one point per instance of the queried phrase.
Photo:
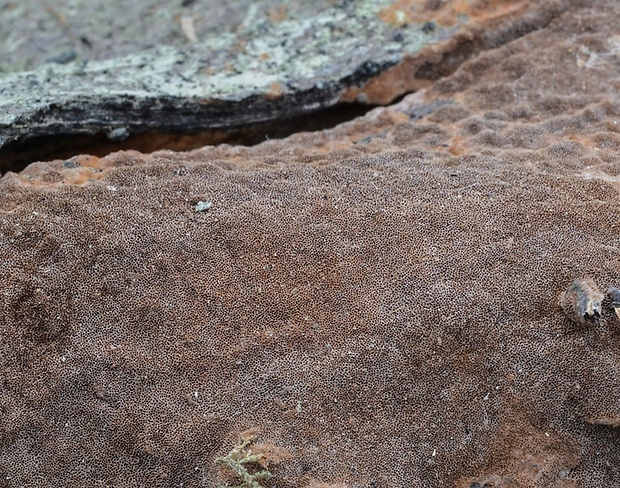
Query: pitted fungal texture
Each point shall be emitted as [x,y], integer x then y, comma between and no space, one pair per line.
[385,312]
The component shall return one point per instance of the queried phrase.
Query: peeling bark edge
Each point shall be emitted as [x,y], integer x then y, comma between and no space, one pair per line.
[141,112]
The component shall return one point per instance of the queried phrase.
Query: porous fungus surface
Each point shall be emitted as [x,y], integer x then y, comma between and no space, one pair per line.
[377,303]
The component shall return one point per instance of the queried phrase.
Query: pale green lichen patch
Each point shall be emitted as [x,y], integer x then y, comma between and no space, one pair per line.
[241,460]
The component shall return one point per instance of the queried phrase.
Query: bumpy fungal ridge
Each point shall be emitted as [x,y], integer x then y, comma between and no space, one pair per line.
[379,300]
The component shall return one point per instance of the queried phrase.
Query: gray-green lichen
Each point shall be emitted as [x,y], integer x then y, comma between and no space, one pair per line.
[261,71]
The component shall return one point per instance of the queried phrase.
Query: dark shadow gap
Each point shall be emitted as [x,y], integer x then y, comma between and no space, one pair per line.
[16,156]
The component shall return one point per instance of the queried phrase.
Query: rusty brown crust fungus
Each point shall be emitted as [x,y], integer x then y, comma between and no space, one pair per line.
[377,301]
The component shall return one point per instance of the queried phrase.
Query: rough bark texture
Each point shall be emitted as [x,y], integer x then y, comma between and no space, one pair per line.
[379,303]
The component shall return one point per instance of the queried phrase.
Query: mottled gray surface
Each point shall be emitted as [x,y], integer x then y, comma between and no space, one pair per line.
[36,32]
[252,67]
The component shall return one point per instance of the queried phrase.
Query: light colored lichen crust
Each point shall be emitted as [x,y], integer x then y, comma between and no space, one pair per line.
[266,56]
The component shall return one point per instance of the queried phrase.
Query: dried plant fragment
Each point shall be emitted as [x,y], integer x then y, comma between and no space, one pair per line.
[614,295]
[582,301]
[187,26]
[239,458]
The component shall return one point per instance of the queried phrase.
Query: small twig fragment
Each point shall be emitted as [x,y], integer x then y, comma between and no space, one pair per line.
[187,26]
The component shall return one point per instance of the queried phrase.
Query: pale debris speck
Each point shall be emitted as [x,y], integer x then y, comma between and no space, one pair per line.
[203,206]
